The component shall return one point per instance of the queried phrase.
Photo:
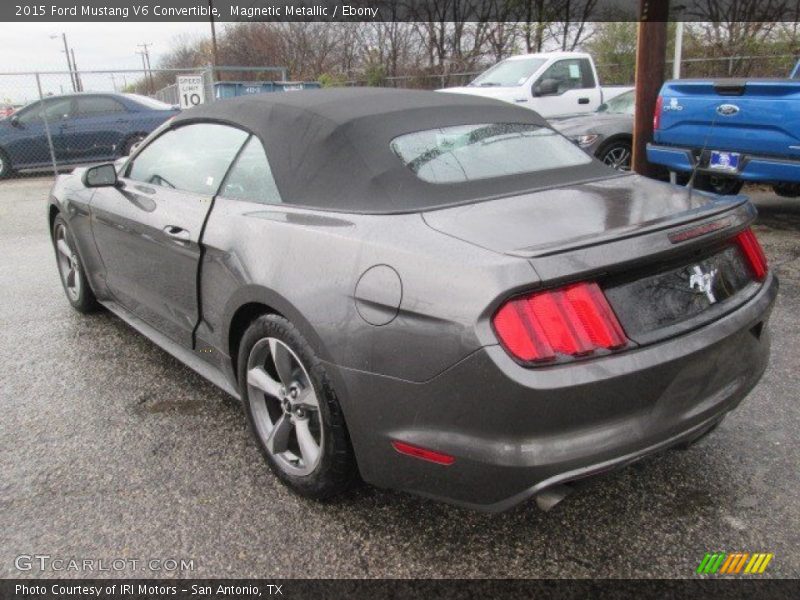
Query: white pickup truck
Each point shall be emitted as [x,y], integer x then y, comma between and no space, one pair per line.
[551,83]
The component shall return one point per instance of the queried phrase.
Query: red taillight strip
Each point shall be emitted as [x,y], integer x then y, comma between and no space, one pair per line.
[606,331]
[423,453]
[657,113]
[698,230]
[748,242]
[575,321]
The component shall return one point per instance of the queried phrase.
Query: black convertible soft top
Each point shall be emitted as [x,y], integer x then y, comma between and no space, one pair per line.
[330,149]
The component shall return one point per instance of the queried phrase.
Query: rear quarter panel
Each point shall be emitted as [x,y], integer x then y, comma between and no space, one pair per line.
[306,265]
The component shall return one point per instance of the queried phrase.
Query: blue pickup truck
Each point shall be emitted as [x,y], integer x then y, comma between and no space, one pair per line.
[732,131]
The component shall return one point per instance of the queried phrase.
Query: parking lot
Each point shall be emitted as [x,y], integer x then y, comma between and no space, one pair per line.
[112,449]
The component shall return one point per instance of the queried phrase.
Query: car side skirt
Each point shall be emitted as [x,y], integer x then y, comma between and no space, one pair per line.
[185,355]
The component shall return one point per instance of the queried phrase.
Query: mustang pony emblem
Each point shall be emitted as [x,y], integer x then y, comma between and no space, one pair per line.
[703,283]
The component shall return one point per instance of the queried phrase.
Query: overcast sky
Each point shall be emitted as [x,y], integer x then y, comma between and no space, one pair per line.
[100,46]
[28,47]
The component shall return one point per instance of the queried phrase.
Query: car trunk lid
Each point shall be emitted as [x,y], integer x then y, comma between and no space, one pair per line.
[556,220]
[666,259]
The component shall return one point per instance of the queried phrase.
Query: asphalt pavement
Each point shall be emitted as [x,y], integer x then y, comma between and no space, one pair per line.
[112,450]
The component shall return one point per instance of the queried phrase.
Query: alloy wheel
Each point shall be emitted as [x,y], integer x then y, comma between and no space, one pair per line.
[68,264]
[285,407]
[618,157]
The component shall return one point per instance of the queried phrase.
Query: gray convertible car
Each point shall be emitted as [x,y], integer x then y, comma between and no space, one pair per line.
[429,292]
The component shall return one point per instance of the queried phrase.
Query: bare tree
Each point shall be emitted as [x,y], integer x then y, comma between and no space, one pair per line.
[734,28]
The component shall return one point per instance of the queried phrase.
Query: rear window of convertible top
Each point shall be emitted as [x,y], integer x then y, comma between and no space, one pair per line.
[470,152]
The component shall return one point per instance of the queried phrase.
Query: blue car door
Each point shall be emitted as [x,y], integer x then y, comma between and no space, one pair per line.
[99,126]
[27,144]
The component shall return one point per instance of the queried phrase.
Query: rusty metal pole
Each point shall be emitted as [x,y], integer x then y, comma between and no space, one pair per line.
[651,49]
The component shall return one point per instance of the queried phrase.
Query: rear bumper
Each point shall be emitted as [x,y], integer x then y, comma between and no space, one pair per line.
[752,167]
[516,431]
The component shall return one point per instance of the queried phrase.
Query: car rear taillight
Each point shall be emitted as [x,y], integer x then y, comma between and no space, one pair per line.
[657,113]
[575,320]
[748,242]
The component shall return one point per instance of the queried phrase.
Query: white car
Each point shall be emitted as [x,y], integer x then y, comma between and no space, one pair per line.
[551,83]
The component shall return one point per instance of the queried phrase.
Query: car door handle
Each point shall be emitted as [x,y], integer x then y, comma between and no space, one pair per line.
[177,233]
[520,99]
[143,189]
[583,101]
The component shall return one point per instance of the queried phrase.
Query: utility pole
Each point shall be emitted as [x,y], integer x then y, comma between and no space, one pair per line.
[146,60]
[651,49]
[69,64]
[78,82]
[144,70]
[213,37]
[114,82]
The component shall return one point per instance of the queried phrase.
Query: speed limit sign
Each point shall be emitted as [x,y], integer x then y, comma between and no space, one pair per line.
[191,90]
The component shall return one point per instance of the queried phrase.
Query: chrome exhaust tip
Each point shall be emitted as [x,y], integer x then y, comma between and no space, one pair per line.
[548,498]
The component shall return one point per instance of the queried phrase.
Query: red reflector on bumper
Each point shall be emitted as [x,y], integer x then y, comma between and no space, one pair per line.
[423,453]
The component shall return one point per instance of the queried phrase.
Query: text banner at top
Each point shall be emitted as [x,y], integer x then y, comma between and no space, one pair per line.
[519,11]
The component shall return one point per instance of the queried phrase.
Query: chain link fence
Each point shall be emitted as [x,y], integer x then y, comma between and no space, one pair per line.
[776,65]
[53,121]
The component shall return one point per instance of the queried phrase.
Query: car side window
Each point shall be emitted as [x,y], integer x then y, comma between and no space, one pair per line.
[96,106]
[192,158]
[54,109]
[570,74]
[250,177]
[622,104]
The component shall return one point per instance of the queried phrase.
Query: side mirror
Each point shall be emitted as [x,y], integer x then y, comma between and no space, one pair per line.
[100,176]
[546,87]
[14,120]
[603,107]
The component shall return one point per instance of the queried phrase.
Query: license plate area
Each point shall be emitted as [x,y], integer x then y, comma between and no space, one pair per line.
[682,296]
[727,162]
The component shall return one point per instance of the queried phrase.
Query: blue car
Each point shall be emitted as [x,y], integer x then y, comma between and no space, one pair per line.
[84,127]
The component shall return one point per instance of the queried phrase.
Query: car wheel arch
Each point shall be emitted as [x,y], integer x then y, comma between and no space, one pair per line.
[252,301]
[620,137]
[136,136]
[53,212]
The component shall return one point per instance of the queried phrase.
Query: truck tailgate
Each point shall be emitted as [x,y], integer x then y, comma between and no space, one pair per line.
[757,116]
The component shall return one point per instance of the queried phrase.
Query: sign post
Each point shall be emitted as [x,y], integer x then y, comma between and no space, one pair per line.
[191,91]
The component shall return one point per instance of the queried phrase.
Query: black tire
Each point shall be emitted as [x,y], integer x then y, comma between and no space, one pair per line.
[336,469]
[127,147]
[617,154]
[6,169]
[787,190]
[82,299]
[717,184]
